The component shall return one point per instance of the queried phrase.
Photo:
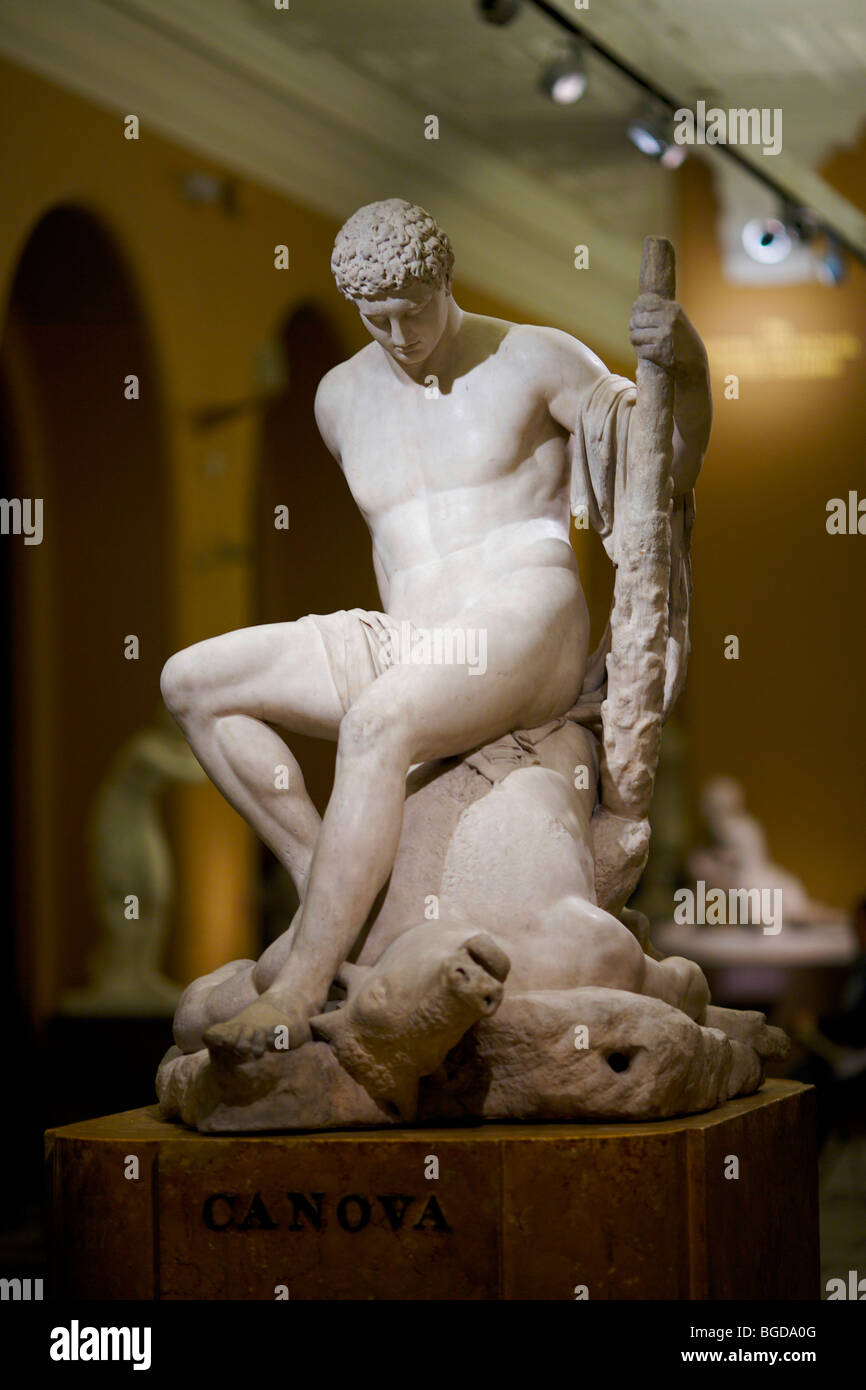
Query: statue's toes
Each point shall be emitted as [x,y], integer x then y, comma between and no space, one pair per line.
[235,1041]
[247,1038]
[222,1038]
[250,1042]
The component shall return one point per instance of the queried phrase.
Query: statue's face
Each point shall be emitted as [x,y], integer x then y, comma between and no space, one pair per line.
[409,323]
[722,797]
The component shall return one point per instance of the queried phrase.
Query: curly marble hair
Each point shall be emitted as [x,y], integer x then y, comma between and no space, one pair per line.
[385,245]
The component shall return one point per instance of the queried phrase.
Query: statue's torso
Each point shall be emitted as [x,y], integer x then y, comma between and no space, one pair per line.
[459,489]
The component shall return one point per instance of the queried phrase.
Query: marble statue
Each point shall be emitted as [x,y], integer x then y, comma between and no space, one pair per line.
[739,858]
[131,876]
[462,945]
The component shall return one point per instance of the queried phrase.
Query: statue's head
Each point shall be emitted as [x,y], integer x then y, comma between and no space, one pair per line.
[394,263]
[721,797]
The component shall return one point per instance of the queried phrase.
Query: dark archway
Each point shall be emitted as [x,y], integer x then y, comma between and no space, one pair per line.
[74,331]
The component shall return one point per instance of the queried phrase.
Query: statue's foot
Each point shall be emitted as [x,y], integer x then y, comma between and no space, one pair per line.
[260,1027]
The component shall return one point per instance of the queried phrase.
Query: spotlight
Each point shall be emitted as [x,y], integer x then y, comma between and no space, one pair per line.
[651,133]
[673,156]
[499,11]
[564,80]
[766,239]
[647,140]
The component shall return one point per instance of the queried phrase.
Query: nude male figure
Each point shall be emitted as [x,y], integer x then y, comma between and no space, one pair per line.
[466,495]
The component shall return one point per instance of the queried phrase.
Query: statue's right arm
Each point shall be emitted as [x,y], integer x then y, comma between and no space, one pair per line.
[326,410]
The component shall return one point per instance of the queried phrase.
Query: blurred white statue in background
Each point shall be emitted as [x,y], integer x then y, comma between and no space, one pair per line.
[739,857]
[131,877]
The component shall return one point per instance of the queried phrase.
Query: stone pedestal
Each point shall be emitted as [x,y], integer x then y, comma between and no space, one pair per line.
[644,1211]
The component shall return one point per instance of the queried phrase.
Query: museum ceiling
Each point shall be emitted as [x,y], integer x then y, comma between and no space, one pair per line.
[327,102]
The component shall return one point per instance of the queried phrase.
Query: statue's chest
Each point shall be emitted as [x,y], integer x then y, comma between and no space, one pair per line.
[409,445]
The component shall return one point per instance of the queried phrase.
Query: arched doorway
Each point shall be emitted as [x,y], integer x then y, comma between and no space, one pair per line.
[95,458]
[323,561]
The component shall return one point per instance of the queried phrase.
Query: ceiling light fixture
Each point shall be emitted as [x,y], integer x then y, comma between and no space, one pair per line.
[766,239]
[771,240]
[843,227]
[652,133]
[564,80]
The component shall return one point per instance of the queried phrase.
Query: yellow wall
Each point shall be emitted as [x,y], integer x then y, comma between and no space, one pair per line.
[787,717]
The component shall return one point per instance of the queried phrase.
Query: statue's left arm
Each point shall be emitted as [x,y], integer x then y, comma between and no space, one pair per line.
[582,391]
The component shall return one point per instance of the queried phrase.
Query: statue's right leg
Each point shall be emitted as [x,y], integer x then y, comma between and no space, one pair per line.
[226,694]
